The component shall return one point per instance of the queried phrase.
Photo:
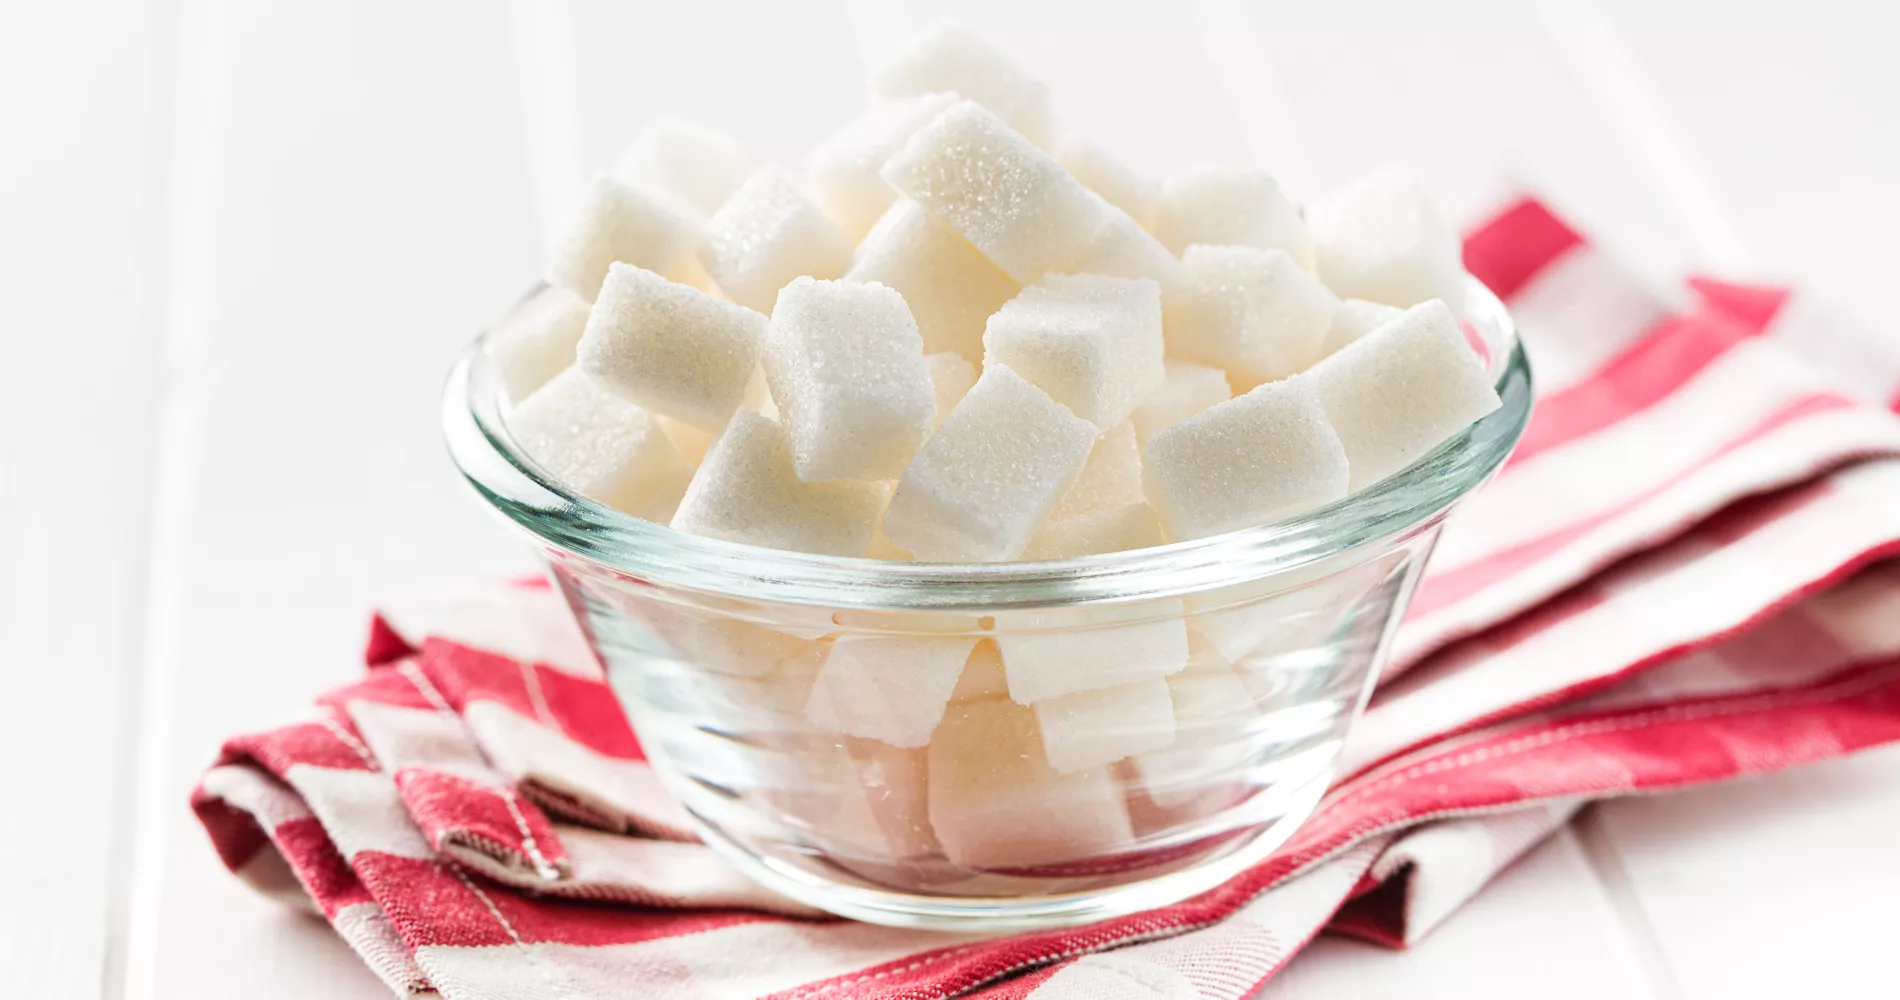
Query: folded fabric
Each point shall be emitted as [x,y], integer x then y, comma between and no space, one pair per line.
[1676,580]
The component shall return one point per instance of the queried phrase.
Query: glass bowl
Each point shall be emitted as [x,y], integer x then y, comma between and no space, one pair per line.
[843,729]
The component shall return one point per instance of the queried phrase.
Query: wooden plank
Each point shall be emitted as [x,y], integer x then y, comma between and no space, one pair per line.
[79,91]
[1793,871]
[362,212]
[1543,929]
[1793,116]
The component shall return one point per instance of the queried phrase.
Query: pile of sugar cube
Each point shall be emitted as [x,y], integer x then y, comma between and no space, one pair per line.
[954,337]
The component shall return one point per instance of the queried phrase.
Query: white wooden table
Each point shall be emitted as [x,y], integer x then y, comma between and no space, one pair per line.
[240,242]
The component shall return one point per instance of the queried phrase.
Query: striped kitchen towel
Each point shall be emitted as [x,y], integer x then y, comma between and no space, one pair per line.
[1679,578]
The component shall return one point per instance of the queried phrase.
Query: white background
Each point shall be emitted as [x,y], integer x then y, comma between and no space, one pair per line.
[240,243]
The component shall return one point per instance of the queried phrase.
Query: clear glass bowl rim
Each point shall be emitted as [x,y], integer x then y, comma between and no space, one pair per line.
[508,480]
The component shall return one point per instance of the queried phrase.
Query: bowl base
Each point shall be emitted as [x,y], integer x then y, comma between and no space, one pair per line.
[985,914]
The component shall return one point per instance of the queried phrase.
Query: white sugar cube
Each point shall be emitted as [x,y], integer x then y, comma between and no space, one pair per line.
[950,286]
[1009,199]
[1093,343]
[982,676]
[951,376]
[765,235]
[887,688]
[674,350]
[1209,697]
[601,446]
[691,441]
[996,802]
[949,58]
[1117,529]
[695,166]
[1106,176]
[1381,240]
[1256,458]
[843,170]
[1186,389]
[759,398]
[893,786]
[846,368]
[1122,249]
[535,342]
[1093,728]
[1048,654]
[747,491]
[1251,313]
[1111,479]
[1213,710]
[1355,319]
[1394,394]
[1253,626]
[770,702]
[989,477]
[732,647]
[883,548]
[1230,207]
[619,223]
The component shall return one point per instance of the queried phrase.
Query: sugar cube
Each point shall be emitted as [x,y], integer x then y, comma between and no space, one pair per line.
[618,222]
[991,474]
[697,167]
[996,802]
[1252,313]
[770,701]
[950,286]
[1213,711]
[1122,249]
[691,441]
[712,642]
[907,622]
[536,340]
[1106,176]
[1355,319]
[1256,624]
[891,688]
[1093,728]
[883,548]
[1186,389]
[693,274]
[765,235]
[747,491]
[893,784]
[982,676]
[948,58]
[842,170]
[1093,343]
[1009,199]
[1397,392]
[1256,458]
[1111,479]
[1230,207]
[759,398]
[846,368]
[674,350]
[601,445]
[1209,698]
[1118,529]
[1381,240]
[951,377]
[1047,654]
